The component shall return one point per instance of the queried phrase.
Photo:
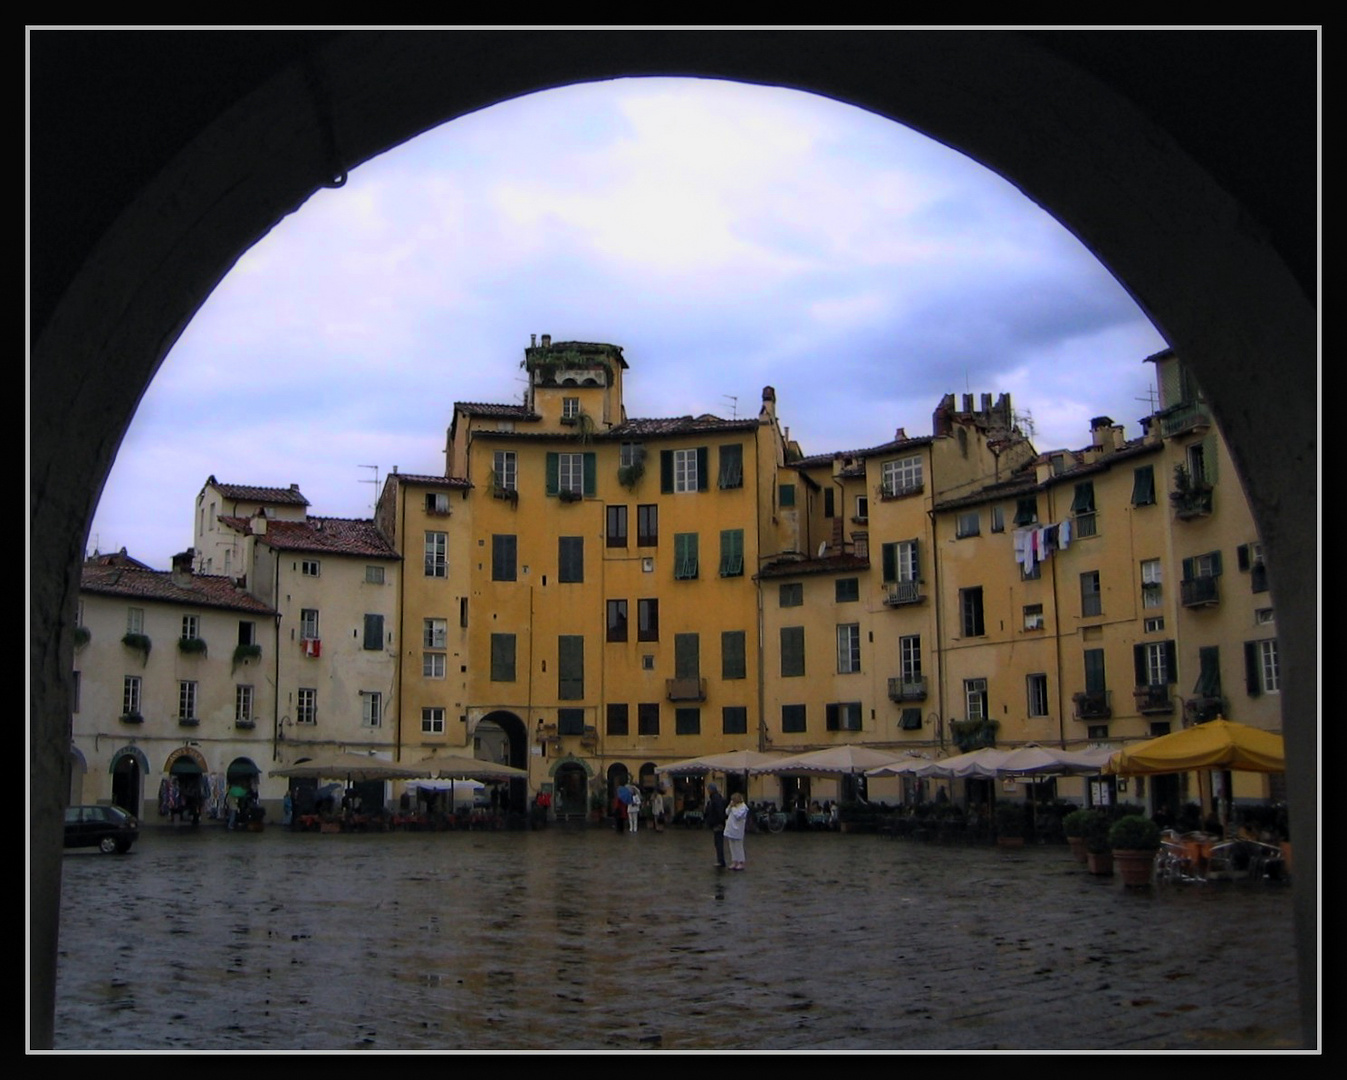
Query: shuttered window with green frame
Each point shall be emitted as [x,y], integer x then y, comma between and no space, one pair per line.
[732,553]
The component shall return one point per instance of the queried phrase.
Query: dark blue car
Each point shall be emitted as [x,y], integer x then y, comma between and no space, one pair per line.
[108,828]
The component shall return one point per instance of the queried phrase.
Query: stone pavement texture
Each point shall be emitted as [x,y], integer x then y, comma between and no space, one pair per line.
[592,940]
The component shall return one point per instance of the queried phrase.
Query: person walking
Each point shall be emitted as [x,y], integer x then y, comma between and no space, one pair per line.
[657,809]
[736,825]
[634,810]
[715,820]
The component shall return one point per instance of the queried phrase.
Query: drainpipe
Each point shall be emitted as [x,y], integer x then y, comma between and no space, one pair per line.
[276,662]
[401,530]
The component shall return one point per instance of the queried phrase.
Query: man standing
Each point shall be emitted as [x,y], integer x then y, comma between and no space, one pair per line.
[715,818]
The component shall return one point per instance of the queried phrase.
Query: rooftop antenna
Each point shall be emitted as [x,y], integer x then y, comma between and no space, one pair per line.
[1025,422]
[733,399]
[375,482]
[1149,399]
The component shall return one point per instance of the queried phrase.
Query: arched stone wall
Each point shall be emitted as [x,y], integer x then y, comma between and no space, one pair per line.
[158,159]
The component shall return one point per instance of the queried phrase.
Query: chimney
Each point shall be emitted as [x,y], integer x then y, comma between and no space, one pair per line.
[547,341]
[533,341]
[900,435]
[182,567]
[987,404]
[1100,437]
[940,419]
[257,524]
[968,403]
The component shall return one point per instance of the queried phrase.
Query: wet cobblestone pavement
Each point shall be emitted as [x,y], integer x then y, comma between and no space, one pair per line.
[590,940]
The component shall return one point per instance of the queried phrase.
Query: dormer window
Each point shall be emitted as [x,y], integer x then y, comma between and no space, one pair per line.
[570,408]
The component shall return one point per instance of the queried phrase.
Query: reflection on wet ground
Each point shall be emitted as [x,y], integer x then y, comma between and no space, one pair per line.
[589,939]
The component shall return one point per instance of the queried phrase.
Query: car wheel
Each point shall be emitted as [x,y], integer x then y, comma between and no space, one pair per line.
[107,845]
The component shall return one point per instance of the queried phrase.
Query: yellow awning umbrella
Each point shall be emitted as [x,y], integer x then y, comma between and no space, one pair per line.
[1218,744]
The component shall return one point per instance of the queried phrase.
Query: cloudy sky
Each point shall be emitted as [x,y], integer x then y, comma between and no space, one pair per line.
[727,236]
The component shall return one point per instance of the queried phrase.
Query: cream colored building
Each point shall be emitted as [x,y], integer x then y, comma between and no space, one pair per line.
[172,685]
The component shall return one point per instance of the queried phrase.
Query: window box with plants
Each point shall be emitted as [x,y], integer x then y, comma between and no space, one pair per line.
[140,643]
[1134,840]
[244,653]
[192,646]
[1191,497]
[132,718]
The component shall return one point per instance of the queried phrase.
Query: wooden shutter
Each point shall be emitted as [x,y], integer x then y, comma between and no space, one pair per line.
[502,658]
[591,472]
[570,667]
[553,471]
[732,654]
[792,650]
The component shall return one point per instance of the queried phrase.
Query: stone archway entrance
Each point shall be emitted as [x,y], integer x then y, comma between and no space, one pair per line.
[1136,142]
[502,737]
[570,779]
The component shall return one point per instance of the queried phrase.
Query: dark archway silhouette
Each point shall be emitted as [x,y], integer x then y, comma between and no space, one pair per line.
[1187,162]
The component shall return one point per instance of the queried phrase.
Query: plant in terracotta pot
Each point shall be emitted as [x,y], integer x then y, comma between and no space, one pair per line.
[1098,855]
[1073,824]
[1134,839]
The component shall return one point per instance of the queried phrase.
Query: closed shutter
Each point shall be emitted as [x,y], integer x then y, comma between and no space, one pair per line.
[687,656]
[591,472]
[502,658]
[570,667]
[792,650]
[733,663]
[553,470]
[571,558]
[374,631]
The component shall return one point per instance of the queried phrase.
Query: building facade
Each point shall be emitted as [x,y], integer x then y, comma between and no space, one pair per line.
[587,596]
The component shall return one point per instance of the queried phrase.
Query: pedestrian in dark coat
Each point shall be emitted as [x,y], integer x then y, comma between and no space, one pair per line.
[715,819]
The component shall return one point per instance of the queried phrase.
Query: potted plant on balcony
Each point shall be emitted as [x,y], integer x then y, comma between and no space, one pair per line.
[1098,855]
[140,643]
[1073,824]
[1191,496]
[1134,840]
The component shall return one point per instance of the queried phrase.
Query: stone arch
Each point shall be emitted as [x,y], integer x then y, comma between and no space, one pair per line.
[1135,142]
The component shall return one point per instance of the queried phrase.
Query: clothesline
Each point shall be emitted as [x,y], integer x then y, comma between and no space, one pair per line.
[1034,545]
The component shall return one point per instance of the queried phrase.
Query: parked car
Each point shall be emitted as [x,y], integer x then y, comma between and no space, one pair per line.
[108,828]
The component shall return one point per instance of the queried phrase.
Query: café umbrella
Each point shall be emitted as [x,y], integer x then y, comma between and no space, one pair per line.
[353,768]
[1217,744]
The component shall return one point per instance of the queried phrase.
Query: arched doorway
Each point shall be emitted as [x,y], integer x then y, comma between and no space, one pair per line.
[502,737]
[1135,141]
[129,769]
[570,779]
[185,792]
[79,768]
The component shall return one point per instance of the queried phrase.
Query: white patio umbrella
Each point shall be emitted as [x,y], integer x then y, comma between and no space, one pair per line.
[830,761]
[736,761]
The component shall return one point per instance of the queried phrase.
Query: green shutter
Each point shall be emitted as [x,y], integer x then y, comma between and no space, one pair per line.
[792,651]
[1143,486]
[502,658]
[687,656]
[1209,677]
[553,470]
[890,559]
[732,655]
[1083,503]
[591,472]
[786,495]
[570,667]
[732,553]
[685,556]
[1094,671]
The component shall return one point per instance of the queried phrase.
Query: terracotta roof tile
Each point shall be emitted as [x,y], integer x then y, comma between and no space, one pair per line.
[200,590]
[829,564]
[289,496]
[333,536]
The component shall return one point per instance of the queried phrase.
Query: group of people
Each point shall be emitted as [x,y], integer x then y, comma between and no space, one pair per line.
[627,804]
[728,822]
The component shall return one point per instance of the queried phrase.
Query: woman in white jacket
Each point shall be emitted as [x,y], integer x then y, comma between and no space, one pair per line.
[736,824]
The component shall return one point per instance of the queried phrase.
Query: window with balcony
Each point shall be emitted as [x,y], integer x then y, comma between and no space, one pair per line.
[1201,574]
[975,699]
[1251,559]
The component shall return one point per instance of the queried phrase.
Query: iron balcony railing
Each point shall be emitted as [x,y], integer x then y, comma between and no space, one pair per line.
[901,689]
[903,592]
[687,689]
[1093,705]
